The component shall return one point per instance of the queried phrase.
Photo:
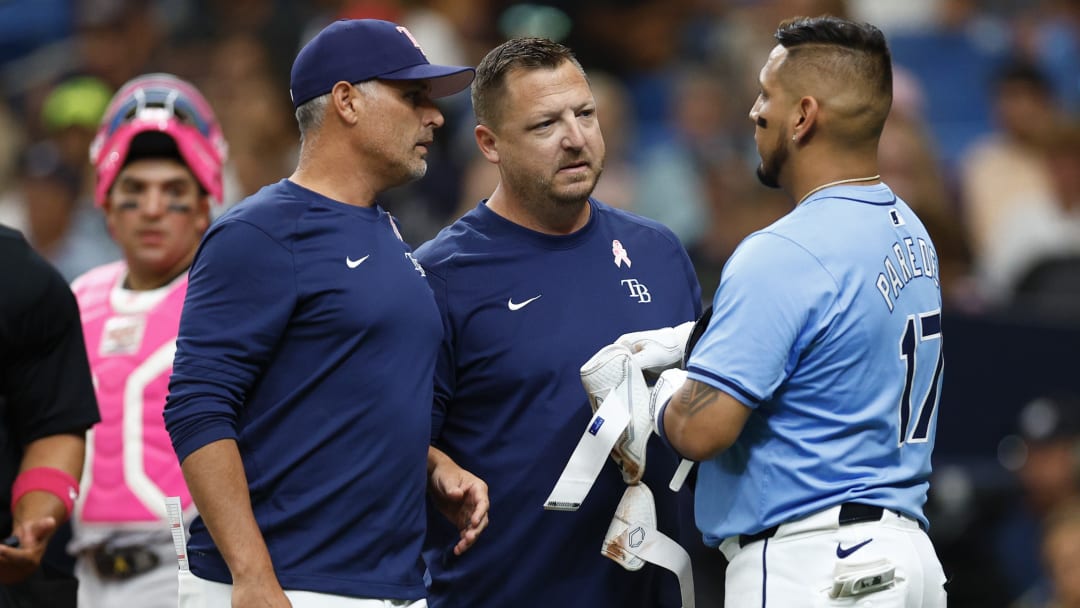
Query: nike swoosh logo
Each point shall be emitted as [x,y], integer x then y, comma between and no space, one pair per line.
[351,263]
[842,552]
[518,306]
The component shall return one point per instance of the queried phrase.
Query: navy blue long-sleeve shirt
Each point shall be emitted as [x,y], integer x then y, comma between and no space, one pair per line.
[309,335]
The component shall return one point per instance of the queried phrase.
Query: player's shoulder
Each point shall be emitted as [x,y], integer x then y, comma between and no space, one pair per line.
[97,282]
[13,247]
[11,238]
[773,252]
[461,237]
[33,287]
[99,277]
[25,272]
[23,276]
[274,210]
[615,219]
[269,204]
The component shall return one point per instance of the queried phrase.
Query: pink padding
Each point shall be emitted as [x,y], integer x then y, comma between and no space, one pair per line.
[46,479]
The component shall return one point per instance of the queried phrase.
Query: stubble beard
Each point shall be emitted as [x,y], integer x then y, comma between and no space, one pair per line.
[576,193]
[412,171]
[541,193]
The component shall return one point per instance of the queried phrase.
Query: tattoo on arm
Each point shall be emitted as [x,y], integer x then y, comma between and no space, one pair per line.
[695,398]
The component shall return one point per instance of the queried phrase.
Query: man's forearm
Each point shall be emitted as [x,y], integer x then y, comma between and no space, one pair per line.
[215,476]
[700,421]
[65,452]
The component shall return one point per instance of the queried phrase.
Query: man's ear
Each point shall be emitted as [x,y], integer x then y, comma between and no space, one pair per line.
[805,118]
[488,142]
[346,101]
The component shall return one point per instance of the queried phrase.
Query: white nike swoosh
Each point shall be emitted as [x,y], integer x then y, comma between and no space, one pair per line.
[518,306]
[354,263]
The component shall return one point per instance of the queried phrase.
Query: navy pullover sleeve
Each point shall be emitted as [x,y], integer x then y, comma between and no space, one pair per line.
[240,295]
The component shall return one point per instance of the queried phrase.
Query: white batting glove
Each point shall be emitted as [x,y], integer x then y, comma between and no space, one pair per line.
[656,350]
[613,368]
[632,540]
[636,507]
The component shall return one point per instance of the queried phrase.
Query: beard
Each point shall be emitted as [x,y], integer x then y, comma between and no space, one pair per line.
[543,190]
[767,177]
[768,171]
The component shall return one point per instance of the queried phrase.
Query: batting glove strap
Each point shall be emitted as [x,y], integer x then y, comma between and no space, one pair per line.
[632,540]
[666,385]
[637,506]
[614,369]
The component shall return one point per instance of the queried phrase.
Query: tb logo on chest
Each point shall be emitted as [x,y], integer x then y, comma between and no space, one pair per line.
[638,290]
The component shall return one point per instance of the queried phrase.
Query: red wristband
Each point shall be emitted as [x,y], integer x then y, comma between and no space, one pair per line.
[46,479]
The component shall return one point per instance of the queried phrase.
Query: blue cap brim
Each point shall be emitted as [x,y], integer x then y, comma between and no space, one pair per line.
[445,79]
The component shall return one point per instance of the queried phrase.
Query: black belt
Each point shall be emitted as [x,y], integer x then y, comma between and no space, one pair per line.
[850,513]
[122,563]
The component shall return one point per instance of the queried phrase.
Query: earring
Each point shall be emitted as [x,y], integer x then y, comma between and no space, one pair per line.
[794,138]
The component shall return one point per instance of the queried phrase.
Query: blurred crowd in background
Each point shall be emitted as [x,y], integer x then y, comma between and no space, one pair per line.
[983,142]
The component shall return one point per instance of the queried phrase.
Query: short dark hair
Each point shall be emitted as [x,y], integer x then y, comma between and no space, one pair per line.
[516,53]
[867,51]
[153,144]
[853,52]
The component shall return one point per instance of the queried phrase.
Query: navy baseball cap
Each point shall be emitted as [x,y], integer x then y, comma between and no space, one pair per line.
[355,50]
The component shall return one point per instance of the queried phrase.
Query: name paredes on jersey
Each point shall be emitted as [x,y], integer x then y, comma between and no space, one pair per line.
[909,259]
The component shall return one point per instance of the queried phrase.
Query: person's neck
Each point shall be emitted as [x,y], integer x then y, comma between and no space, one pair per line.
[546,218]
[333,172]
[351,190]
[840,170]
[147,281]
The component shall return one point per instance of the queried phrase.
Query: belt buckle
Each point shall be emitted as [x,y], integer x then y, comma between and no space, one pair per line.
[123,563]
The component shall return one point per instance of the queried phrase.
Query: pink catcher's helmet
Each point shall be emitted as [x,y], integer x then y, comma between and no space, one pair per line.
[165,104]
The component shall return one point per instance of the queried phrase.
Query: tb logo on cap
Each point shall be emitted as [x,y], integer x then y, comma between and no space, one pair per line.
[404,30]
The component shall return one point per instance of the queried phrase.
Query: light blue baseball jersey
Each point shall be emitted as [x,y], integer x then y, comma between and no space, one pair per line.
[828,325]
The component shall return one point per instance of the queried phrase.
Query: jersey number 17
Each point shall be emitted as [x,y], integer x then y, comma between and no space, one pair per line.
[917,330]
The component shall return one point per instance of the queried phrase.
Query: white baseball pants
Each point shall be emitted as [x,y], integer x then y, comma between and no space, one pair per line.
[198,592]
[808,560]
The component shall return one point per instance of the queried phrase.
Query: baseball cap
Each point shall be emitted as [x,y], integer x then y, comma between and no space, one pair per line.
[355,50]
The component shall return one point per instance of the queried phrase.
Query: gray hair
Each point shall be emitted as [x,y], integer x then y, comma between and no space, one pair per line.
[309,116]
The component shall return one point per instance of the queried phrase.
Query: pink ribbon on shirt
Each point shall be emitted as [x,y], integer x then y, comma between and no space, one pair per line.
[620,254]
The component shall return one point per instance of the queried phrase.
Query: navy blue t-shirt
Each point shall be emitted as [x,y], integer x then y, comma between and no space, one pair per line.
[522,311]
[309,334]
